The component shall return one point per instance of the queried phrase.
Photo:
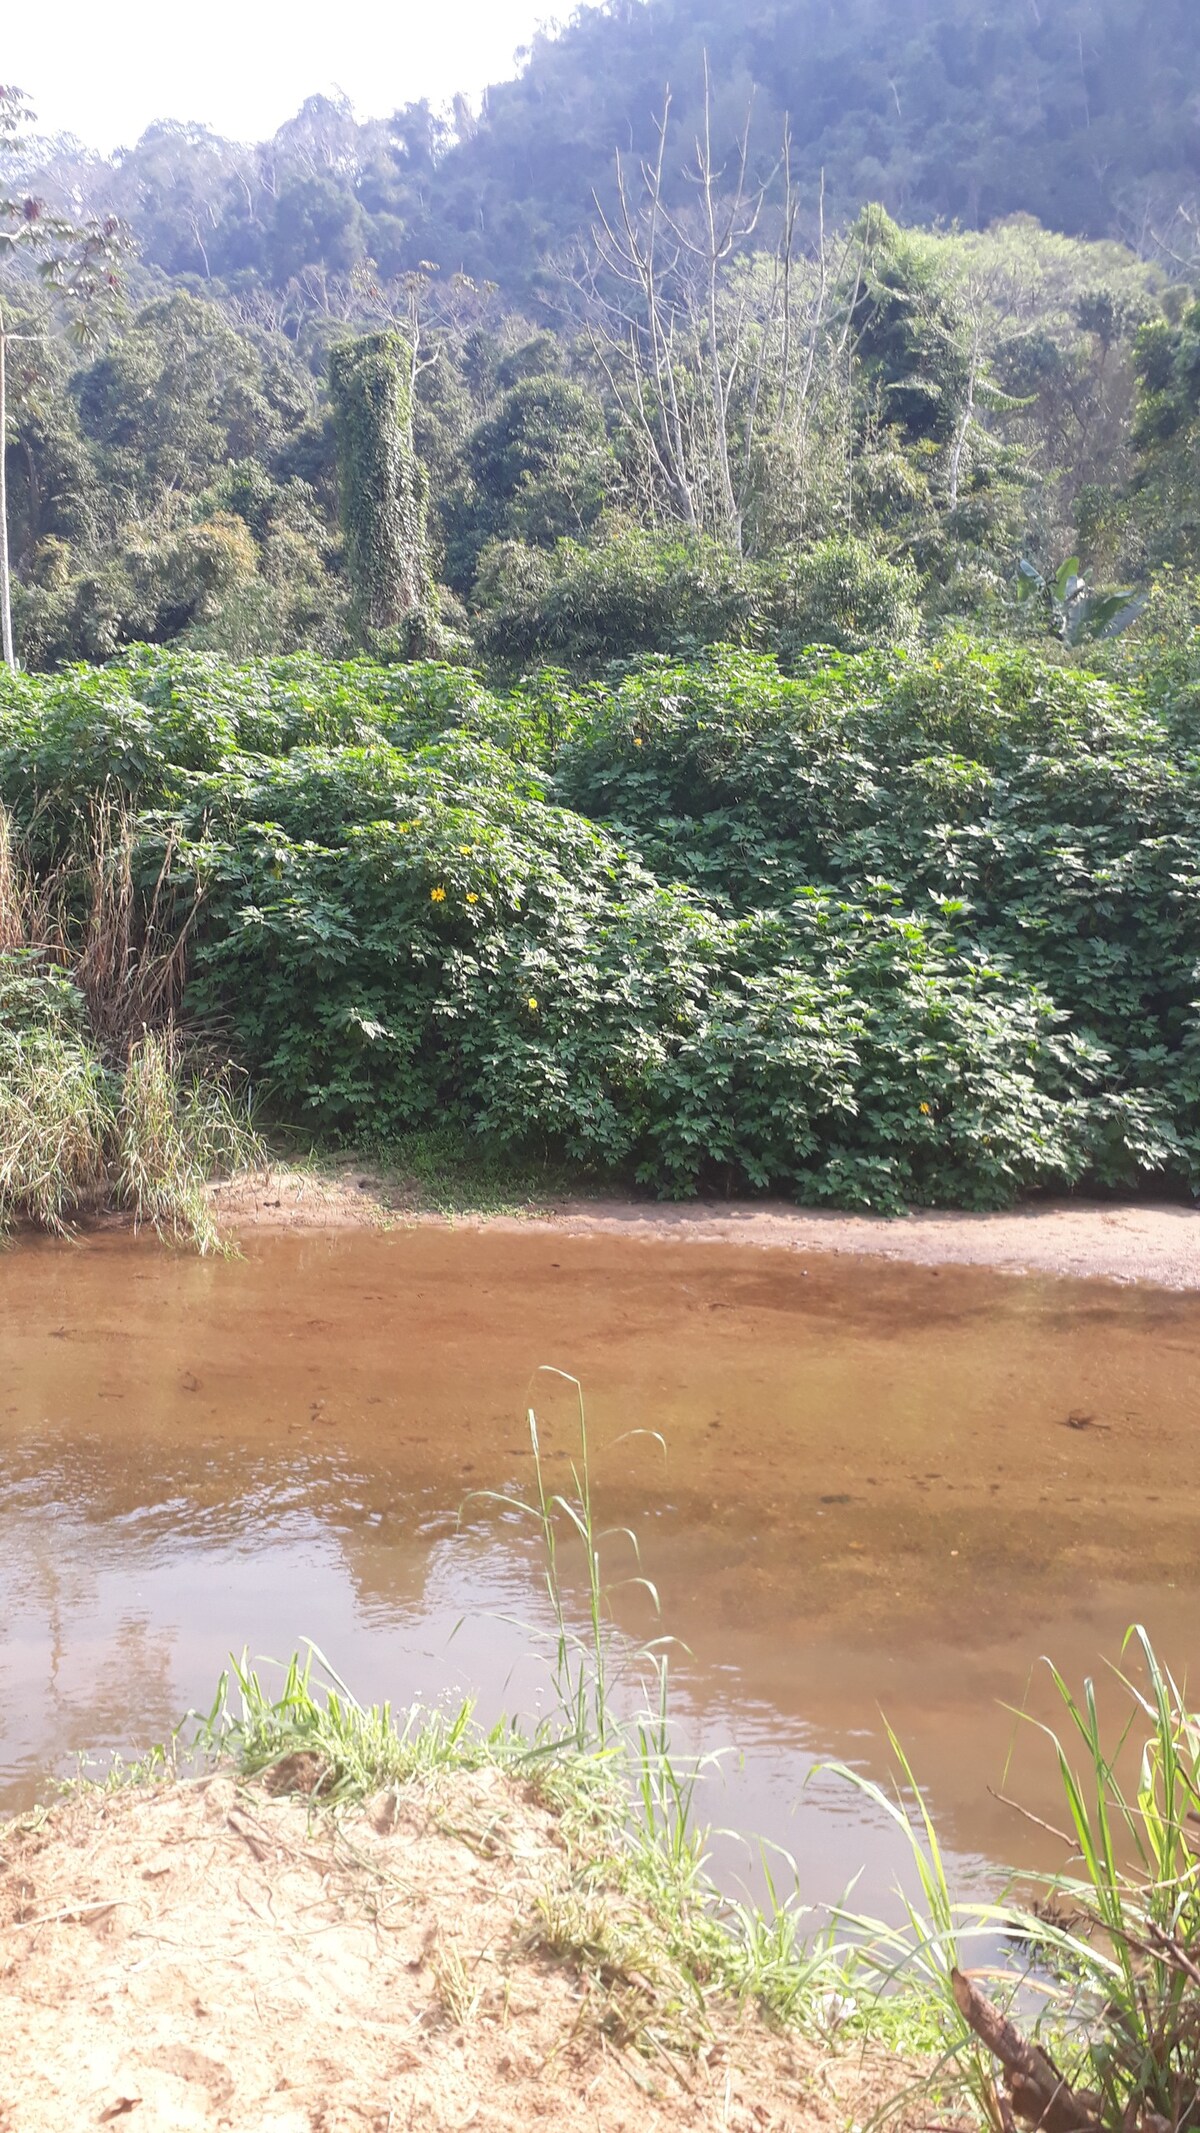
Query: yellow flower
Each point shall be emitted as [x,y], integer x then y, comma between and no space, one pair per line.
[471,897]
[437,896]
[465,848]
[925,1109]
[636,743]
[533,1007]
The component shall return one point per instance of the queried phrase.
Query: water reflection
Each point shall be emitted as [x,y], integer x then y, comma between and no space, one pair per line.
[883,1488]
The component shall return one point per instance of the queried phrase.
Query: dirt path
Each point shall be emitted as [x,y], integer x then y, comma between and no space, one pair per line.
[198,1956]
[1143,1241]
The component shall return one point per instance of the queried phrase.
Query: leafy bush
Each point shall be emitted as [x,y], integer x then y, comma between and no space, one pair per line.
[142,726]
[891,928]
[477,953]
[844,594]
[635,592]
[1051,820]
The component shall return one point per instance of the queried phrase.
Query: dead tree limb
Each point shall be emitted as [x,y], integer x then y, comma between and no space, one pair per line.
[1040,2095]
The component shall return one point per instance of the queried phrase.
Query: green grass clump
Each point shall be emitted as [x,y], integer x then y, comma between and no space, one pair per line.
[628,1902]
[56,1123]
[349,1749]
[174,1130]
[76,1132]
[1105,1952]
[98,1100]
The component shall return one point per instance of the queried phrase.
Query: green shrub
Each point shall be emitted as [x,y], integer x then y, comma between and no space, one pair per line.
[894,926]
[843,593]
[476,953]
[635,592]
[1051,820]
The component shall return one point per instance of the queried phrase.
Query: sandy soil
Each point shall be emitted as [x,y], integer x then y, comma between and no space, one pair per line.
[204,1955]
[1146,1241]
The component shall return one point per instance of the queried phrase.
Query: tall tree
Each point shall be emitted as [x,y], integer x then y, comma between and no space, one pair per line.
[715,338]
[78,261]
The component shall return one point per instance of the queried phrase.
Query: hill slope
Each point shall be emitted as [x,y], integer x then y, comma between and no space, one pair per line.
[1085,113]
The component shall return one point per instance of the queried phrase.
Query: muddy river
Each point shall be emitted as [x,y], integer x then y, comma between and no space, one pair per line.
[881,1491]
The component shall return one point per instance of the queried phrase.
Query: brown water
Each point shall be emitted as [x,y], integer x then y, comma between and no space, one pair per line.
[883,1489]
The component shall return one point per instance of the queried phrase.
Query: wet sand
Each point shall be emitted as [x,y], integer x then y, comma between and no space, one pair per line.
[1143,1240]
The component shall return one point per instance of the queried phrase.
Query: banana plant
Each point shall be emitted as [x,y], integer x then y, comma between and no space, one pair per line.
[1078,615]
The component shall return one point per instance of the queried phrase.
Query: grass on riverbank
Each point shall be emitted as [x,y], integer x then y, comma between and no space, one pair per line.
[1089,2023]
[1087,2019]
[1093,2024]
[99,1101]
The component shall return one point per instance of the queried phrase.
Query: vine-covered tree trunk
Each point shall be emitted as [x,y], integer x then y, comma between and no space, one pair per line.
[382,487]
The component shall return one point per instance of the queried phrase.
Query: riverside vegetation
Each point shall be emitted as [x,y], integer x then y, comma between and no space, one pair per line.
[660,738]
[98,1098]
[1090,2020]
[888,928]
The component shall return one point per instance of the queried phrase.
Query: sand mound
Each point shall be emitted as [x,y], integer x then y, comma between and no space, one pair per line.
[201,1956]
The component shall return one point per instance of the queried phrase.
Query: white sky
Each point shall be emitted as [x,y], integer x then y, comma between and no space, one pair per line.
[103,69]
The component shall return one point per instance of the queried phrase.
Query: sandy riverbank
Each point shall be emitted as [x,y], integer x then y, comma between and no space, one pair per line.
[1157,1242]
[203,1955]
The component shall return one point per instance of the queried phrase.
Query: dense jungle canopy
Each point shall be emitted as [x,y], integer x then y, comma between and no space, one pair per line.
[666,629]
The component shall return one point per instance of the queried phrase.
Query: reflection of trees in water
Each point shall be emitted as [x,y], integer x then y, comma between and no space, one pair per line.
[78,1673]
[873,1500]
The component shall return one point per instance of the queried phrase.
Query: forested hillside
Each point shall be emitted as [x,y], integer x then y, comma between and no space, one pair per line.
[1083,113]
[709,691]
[809,415]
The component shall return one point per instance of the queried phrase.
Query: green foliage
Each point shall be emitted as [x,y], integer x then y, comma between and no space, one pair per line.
[382,488]
[918,928]
[97,1100]
[1166,434]
[181,394]
[145,501]
[56,1113]
[955,393]
[355,1749]
[537,469]
[636,591]
[1049,820]
[1076,613]
[317,222]
[1107,1942]
[842,593]
[911,336]
[75,1130]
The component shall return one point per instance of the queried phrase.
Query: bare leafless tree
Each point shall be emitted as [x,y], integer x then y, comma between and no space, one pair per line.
[716,331]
